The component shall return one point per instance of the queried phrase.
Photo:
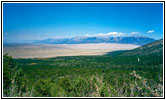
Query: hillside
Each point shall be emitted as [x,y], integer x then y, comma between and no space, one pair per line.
[85,76]
[148,49]
[136,40]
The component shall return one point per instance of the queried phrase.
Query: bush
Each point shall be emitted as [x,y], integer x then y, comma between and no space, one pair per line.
[15,83]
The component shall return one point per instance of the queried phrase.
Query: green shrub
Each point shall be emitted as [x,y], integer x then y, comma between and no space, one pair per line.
[15,83]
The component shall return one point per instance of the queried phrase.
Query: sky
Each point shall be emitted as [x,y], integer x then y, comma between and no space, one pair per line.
[25,22]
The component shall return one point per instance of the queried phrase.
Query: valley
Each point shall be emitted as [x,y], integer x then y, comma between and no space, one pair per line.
[115,74]
[83,50]
[55,50]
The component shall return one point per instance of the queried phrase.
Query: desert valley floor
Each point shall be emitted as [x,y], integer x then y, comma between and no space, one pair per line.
[54,50]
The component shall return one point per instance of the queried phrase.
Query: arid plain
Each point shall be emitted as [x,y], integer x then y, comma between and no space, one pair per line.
[55,50]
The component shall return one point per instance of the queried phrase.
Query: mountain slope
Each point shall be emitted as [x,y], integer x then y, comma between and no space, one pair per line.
[155,47]
[98,39]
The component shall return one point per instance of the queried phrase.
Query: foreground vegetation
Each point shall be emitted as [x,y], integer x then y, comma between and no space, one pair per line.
[84,76]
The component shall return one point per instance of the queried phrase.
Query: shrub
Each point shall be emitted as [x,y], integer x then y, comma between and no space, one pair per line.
[15,83]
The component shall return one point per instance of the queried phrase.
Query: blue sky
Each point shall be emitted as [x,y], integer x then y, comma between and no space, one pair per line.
[23,22]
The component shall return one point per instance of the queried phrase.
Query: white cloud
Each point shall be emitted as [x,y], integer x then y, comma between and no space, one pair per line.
[134,32]
[87,35]
[151,31]
[114,34]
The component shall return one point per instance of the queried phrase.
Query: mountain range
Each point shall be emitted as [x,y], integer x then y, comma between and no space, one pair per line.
[136,40]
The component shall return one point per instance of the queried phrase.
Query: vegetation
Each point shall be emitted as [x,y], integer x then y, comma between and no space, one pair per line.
[134,73]
[15,82]
[84,76]
[118,52]
[155,47]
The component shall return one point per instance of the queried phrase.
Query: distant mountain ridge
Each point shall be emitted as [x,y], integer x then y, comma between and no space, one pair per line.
[155,47]
[96,39]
